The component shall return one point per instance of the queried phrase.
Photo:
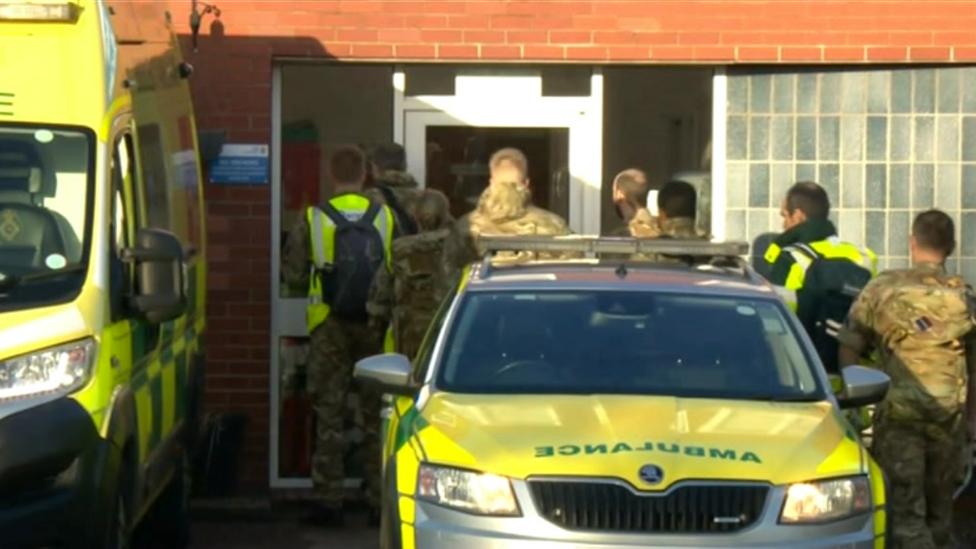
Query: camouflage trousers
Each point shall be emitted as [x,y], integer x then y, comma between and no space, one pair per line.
[924,463]
[336,346]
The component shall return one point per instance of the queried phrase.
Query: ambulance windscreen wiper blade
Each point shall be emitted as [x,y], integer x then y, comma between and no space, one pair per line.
[782,398]
[9,281]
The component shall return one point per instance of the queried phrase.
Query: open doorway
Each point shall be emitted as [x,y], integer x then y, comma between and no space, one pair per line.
[658,119]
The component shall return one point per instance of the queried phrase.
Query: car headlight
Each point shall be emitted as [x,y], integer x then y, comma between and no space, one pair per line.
[826,500]
[469,491]
[54,371]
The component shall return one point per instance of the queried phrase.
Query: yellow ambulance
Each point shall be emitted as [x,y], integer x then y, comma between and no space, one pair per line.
[102,274]
[613,404]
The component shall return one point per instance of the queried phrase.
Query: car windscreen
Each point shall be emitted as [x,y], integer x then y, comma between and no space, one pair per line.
[598,342]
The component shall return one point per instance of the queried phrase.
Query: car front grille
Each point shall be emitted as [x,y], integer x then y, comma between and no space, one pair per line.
[607,506]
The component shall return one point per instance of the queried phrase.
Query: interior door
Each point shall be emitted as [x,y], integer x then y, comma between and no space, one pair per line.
[449,151]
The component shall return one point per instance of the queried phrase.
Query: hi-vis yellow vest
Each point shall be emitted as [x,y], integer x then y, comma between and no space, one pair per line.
[830,248]
[322,239]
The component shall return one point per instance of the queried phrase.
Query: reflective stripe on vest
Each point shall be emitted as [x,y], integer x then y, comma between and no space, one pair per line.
[831,248]
[322,241]
[772,253]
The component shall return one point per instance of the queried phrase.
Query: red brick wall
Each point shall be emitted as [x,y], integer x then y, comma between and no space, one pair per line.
[232,91]
[619,30]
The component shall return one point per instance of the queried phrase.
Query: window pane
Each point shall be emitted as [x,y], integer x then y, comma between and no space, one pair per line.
[323,106]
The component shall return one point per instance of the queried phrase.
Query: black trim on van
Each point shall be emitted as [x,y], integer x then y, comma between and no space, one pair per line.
[55,472]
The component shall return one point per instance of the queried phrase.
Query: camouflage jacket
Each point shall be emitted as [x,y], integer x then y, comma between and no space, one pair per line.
[296,256]
[404,189]
[503,209]
[680,227]
[642,225]
[921,321]
[410,294]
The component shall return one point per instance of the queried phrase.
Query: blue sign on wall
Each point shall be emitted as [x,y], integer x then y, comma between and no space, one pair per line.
[240,165]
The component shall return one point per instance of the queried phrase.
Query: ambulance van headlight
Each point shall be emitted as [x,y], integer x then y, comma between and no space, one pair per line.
[469,491]
[826,500]
[54,371]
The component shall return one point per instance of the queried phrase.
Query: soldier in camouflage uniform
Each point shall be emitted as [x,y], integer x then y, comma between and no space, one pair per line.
[677,205]
[392,185]
[408,296]
[336,344]
[630,190]
[505,208]
[920,319]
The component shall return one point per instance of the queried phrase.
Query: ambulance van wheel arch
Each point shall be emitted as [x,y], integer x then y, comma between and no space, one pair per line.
[390,515]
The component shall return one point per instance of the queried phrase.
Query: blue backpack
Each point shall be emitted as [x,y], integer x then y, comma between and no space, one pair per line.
[359,253]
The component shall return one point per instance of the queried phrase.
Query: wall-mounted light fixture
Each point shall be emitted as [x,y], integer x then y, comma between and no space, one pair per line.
[196,18]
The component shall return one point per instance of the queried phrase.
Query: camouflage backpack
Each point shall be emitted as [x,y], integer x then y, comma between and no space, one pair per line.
[924,323]
[416,269]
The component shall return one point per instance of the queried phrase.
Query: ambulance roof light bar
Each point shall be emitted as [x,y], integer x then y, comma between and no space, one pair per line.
[62,12]
[612,245]
[721,255]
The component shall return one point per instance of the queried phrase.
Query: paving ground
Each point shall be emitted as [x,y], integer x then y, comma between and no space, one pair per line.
[252,524]
[280,533]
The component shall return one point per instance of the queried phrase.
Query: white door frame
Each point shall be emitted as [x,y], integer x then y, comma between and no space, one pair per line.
[513,101]
[287,315]
[719,185]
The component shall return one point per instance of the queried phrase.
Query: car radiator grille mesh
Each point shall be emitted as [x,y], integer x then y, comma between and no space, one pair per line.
[604,506]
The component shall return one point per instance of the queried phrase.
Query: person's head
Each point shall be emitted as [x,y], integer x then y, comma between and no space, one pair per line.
[677,199]
[804,201]
[388,157]
[509,165]
[933,237]
[431,210]
[629,192]
[347,165]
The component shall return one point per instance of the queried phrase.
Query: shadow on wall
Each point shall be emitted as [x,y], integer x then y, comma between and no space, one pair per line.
[231,89]
[232,78]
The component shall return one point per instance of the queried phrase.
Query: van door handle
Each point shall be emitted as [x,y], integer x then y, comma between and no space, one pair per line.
[115,362]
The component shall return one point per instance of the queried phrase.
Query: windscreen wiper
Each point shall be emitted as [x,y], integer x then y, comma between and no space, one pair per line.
[781,398]
[796,398]
[9,281]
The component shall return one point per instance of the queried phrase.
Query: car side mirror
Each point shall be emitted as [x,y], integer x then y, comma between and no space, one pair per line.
[862,386]
[160,293]
[389,372]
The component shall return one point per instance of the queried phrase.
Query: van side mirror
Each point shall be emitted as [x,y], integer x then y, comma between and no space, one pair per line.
[862,386]
[389,372]
[160,293]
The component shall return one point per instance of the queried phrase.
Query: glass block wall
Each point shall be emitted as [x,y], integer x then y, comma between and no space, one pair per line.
[885,143]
